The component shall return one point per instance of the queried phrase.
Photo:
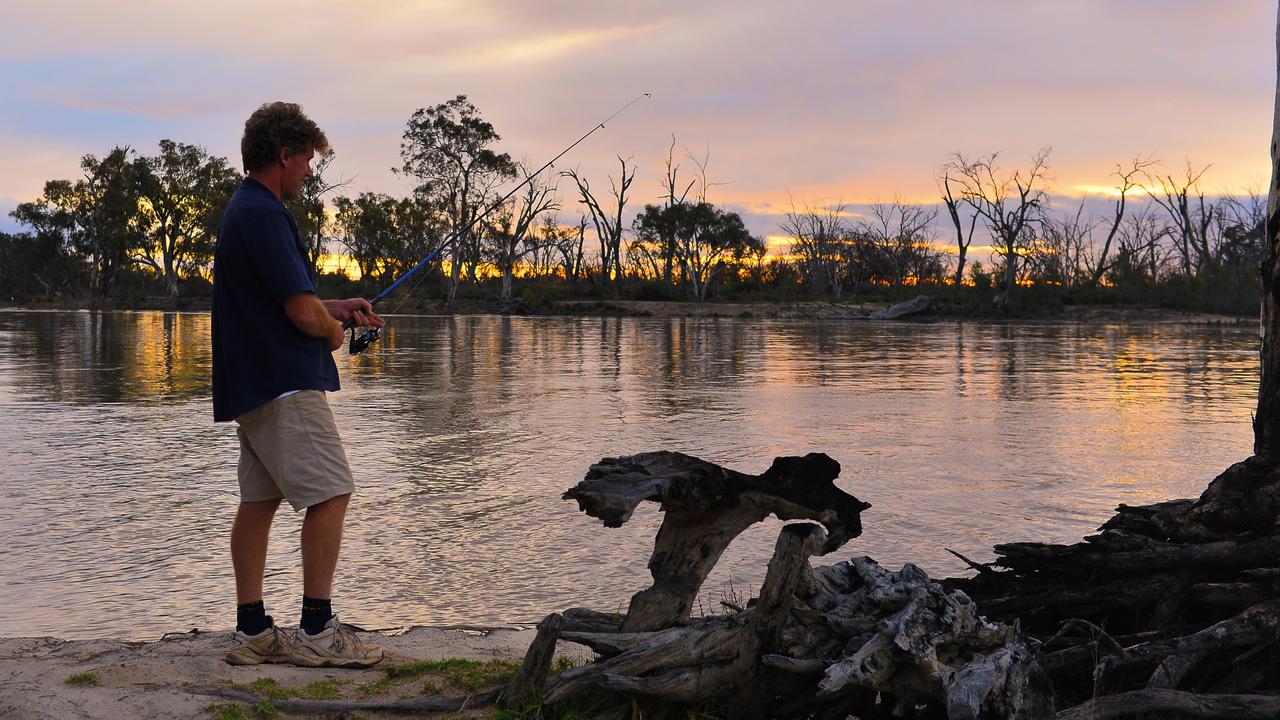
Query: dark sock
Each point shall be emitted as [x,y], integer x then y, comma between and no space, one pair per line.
[252,618]
[315,613]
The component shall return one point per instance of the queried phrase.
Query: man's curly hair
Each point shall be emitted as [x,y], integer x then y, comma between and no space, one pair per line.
[278,126]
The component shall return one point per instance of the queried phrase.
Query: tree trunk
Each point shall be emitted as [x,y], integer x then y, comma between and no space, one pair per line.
[506,282]
[1266,423]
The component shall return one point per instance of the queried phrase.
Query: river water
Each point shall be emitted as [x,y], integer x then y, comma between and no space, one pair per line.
[117,489]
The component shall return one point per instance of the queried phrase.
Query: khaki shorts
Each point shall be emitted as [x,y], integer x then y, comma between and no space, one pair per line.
[289,448]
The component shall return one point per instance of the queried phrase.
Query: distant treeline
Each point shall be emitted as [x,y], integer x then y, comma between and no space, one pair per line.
[136,226]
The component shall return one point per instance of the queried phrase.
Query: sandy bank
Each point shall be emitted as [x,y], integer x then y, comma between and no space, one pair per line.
[160,680]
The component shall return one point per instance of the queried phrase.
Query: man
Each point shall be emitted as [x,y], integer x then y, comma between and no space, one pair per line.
[273,341]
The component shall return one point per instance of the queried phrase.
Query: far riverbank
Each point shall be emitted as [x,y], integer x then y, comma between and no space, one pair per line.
[797,310]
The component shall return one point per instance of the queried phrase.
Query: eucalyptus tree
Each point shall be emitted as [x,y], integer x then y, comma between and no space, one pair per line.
[509,235]
[1266,421]
[98,215]
[183,191]
[37,264]
[366,227]
[703,237]
[1008,203]
[310,213]
[448,150]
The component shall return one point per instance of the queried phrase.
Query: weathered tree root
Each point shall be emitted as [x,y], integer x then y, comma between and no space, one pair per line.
[440,703]
[851,638]
[1167,703]
[1181,597]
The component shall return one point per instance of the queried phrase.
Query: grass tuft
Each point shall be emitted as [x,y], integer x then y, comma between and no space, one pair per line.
[87,679]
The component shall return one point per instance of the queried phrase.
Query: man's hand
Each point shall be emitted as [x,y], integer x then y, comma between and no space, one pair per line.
[357,310]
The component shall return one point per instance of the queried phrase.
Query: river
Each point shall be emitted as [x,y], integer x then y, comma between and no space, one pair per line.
[117,488]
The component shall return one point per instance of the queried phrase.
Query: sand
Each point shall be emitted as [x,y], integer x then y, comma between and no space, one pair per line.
[157,680]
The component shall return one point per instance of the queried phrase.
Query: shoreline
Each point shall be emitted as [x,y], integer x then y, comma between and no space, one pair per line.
[171,677]
[777,310]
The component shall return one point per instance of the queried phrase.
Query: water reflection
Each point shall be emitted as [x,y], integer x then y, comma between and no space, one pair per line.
[464,431]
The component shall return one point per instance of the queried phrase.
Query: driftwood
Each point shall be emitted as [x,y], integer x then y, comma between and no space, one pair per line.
[845,639]
[1171,610]
[705,507]
[914,306]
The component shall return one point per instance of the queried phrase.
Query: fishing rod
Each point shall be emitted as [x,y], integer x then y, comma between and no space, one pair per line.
[359,344]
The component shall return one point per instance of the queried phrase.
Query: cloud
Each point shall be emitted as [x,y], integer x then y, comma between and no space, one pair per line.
[825,100]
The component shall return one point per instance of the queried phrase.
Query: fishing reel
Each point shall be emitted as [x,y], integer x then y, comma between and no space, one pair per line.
[359,344]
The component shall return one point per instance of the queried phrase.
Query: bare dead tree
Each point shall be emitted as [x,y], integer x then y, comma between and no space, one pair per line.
[1128,175]
[509,233]
[674,194]
[1138,247]
[901,239]
[1190,216]
[817,236]
[1059,247]
[607,223]
[963,237]
[1007,204]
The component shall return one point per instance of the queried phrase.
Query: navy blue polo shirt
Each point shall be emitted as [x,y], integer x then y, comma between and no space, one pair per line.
[258,353]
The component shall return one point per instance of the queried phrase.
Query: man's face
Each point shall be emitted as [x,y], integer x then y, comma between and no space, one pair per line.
[297,167]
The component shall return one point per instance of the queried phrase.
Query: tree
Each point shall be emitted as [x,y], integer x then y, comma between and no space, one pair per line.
[1241,227]
[509,233]
[821,240]
[703,236]
[447,149]
[1098,265]
[37,265]
[183,192]
[309,211]
[1266,421]
[900,237]
[367,228]
[607,222]
[1183,201]
[97,216]
[963,238]
[1140,256]
[1007,204]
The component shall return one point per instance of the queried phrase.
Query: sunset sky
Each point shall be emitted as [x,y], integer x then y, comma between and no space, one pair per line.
[816,101]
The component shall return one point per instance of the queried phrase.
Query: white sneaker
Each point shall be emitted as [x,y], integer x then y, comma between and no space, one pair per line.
[335,646]
[269,646]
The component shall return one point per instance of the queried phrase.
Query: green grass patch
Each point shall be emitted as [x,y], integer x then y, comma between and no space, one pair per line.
[327,689]
[88,679]
[470,675]
[321,690]
[262,710]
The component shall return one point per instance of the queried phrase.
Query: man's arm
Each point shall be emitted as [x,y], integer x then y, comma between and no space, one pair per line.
[312,318]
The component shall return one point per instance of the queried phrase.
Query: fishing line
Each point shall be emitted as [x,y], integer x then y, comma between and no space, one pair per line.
[358,344]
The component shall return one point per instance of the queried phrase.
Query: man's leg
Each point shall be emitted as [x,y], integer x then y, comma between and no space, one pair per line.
[321,539]
[249,536]
[321,641]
